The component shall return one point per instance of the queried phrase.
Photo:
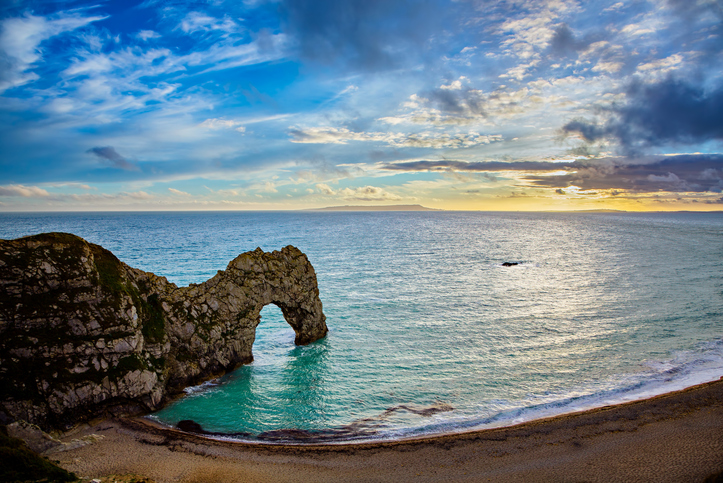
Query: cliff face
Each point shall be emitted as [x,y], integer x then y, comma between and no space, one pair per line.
[82,334]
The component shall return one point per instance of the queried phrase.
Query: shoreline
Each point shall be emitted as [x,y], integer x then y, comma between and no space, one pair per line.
[676,436]
[325,438]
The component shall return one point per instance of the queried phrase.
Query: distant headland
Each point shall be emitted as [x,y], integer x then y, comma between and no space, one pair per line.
[375,208]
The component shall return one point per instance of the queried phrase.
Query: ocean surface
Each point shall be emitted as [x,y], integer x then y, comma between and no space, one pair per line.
[428,332]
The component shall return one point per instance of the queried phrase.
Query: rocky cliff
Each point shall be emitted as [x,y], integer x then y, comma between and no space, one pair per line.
[83,334]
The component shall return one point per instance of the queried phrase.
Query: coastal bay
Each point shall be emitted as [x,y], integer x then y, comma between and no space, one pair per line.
[423,314]
[668,438]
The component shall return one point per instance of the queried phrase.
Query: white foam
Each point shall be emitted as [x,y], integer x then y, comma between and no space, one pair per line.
[201,387]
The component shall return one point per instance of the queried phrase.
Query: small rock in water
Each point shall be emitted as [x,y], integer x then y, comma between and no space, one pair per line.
[190,426]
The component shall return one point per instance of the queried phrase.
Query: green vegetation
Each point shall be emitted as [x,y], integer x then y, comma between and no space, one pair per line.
[130,364]
[108,267]
[184,355]
[154,327]
[18,463]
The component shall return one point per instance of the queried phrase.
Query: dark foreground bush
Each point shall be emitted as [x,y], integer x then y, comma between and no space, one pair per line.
[18,463]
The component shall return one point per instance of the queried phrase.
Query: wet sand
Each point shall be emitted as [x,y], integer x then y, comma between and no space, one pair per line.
[677,437]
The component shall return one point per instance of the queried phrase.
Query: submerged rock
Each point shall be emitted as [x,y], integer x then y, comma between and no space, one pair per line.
[190,426]
[83,334]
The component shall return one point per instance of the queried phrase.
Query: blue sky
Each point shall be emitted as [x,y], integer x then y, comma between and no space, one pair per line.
[262,104]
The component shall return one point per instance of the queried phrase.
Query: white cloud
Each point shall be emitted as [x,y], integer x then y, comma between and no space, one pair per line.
[427,139]
[197,21]
[637,30]
[137,195]
[21,39]
[363,193]
[368,193]
[661,66]
[227,54]
[455,85]
[325,189]
[519,72]
[614,8]
[23,191]
[220,123]
[608,67]
[265,187]
[146,35]
[467,107]
[178,192]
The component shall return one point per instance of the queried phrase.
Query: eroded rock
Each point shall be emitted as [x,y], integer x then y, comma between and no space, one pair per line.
[82,334]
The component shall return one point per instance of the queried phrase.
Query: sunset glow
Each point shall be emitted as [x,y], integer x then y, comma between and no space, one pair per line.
[284,105]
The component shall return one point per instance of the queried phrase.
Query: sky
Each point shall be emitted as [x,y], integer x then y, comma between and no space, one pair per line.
[296,104]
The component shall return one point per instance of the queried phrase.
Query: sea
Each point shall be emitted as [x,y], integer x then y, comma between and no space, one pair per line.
[429,331]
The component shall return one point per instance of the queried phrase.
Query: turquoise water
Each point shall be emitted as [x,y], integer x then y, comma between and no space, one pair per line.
[429,333]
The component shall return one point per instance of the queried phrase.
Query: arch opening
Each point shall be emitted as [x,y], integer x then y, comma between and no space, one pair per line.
[273,330]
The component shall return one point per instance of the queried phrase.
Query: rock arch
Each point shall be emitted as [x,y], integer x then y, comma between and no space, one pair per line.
[82,333]
[231,302]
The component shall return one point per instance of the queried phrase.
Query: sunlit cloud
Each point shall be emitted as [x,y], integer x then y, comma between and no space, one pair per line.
[425,139]
[23,191]
[295,104]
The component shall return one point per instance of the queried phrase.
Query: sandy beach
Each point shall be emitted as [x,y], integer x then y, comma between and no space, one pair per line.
[676,437]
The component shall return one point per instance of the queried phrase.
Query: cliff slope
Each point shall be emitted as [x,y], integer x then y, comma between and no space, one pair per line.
[82,334]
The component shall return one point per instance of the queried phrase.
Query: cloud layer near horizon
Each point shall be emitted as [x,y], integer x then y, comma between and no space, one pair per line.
[300,104]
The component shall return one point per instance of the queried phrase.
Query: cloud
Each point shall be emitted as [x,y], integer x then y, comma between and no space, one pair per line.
[481,166]
[178,192]
[221,123]
[109,154]
[367,35]
[146,35]
[658,114]
[202,22]
[364,193]
[20,43]
[368,193]
[681,173]
[435,140]
[614,8]
[459,106]
[325,189]
[564,42]
[23,191]
[531,32]
[661,66]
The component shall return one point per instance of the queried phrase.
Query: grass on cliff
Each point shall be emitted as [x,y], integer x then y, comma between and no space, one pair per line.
[18,463]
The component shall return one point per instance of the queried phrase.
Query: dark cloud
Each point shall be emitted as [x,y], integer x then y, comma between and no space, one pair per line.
[109,155]
[695,9]
[446,165]
[564,42]
[682,173]
[665,113]
[462,102]
[363,34]
[698,23]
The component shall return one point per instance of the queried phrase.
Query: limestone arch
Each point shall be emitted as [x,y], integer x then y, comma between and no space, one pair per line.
[215,322]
